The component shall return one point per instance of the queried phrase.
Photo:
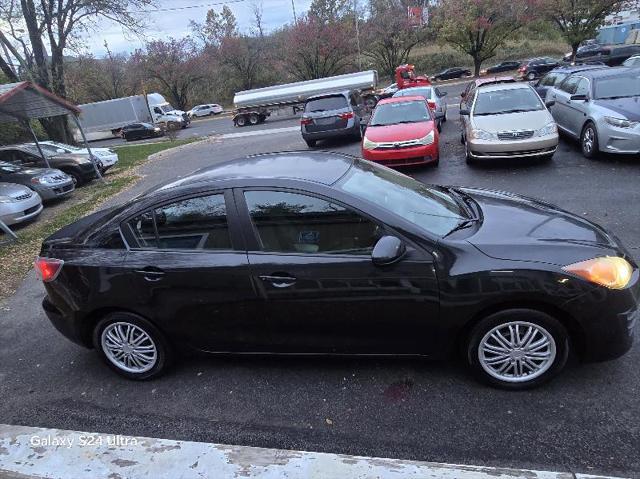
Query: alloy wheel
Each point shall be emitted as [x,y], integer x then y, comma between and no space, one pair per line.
[587,140]
[517,351]
[129,347]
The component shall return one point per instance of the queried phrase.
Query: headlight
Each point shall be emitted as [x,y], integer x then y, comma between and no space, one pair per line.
[157,129]
[427,140]
[6,199]
[482,135]
[609,271]
[550,129]
[367,144]
[620,123]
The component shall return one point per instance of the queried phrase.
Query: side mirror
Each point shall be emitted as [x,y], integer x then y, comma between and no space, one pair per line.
[387,250]
[464,112]
[549,103]
[579,97]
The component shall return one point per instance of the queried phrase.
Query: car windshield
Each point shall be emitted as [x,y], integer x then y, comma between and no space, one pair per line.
[498,102]
[47,150]
[430,208]
[400,112]
[424,92]
[65,147]
[336,102]
[622,86]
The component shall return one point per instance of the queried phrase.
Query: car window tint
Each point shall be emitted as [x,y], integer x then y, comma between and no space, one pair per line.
[193,223]
[296,223]
[336,102]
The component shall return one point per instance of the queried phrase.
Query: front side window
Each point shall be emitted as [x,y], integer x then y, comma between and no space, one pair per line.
[195,223]
[287,222]
[569,85]
[582,88]
[513,100]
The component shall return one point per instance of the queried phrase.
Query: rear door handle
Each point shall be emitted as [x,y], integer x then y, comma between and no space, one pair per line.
[278,281]
[151,274]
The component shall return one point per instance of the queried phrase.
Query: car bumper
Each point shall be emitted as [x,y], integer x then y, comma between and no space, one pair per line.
[616,140]
[533,147]
[352,129]
[55,191]
[607,320]
[67,324]
[417,155]
[13,213]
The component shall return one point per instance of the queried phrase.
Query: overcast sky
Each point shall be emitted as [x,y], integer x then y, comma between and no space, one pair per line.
[175,23]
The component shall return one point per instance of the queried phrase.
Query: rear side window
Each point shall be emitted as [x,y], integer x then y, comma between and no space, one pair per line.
[326,103]
[552,79]
[195,223]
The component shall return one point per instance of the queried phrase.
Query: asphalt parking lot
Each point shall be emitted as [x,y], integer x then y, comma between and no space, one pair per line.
[585,420]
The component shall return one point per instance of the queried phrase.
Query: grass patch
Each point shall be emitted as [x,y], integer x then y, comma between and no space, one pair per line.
[17,257]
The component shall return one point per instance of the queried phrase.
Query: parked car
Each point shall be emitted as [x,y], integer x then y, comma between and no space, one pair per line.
[49,183]
[633,61]
[615,55]
[536,67]
[451,73]
[18,203]
[555,77]
[590,50]
[107,156]
[330,254]
[478,82]
[506,66]
[388,91]
[332,115]
[78,166]
[435,100]
[601,109]
[507,121]
[210,109]
[140,131]
[402,131]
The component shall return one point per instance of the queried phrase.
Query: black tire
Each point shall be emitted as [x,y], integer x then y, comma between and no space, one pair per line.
[164,354]
[595,147]
[444,118]
[439,126]
[310,143]
[531,76]
[76,177]
[467,156]
[241,121]
[525,318]
[254,119]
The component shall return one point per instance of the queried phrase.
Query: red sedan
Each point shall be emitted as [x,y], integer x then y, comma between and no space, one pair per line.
[402,131]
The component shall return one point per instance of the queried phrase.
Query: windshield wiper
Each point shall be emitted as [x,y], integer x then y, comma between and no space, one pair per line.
[462,225]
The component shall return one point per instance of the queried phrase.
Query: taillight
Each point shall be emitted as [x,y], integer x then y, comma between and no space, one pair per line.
[306,121]
[432,104]
[522,69]
[48,269]
[346,116]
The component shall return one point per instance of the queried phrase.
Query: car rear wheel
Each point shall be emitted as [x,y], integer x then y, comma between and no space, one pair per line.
[310,143]
[589,141]
[517,349]
[531,76]
[131,346]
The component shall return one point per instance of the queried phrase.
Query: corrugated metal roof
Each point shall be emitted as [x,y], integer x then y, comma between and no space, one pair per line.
[26,100]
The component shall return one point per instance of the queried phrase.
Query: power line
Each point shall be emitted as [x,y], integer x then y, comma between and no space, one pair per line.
[188,7]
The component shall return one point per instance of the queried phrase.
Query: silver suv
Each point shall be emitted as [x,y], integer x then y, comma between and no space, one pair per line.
[507,120]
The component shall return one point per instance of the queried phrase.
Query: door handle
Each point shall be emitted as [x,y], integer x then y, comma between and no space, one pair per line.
[151,274]
[278,281]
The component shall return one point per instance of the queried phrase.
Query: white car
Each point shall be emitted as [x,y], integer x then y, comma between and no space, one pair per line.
[205,110]
[107,156]
[633,61]
[18,203]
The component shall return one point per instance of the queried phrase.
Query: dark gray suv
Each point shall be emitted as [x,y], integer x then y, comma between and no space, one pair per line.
[332,115]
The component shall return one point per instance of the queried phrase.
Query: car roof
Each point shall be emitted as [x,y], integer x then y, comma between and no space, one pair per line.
[577,68]
[493,80]
[609,72]
[333,93]
[415,88]
[505,86]
[401,99]
[313,166]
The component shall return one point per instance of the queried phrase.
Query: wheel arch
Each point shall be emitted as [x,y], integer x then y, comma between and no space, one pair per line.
[574,330]
[94,317]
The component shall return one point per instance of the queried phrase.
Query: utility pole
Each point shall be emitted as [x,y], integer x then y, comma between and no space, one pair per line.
[355,11]
[293,6]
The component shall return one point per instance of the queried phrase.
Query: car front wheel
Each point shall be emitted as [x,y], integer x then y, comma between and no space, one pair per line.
[589,141]
[131,346]
[517,349]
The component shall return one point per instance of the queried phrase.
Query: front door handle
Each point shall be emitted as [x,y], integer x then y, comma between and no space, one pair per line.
[150,273]
[278,281]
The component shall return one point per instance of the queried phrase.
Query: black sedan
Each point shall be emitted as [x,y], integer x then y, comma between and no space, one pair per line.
[315,252]
[505,66]
[451,73]
[139,131]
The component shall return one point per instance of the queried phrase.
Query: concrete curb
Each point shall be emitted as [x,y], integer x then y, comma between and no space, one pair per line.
[28,452]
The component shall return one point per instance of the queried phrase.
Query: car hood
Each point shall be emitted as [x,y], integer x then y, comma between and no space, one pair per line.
[518,228]
[401,132]
[628,107]
[530,120]
[13,190]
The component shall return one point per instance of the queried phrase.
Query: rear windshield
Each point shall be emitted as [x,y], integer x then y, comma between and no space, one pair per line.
[425,92]
[496,102]
[622,86]
[400,112]
[325,103]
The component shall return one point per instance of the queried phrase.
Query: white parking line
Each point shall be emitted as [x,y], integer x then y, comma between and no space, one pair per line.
[29,452]
[271,131]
